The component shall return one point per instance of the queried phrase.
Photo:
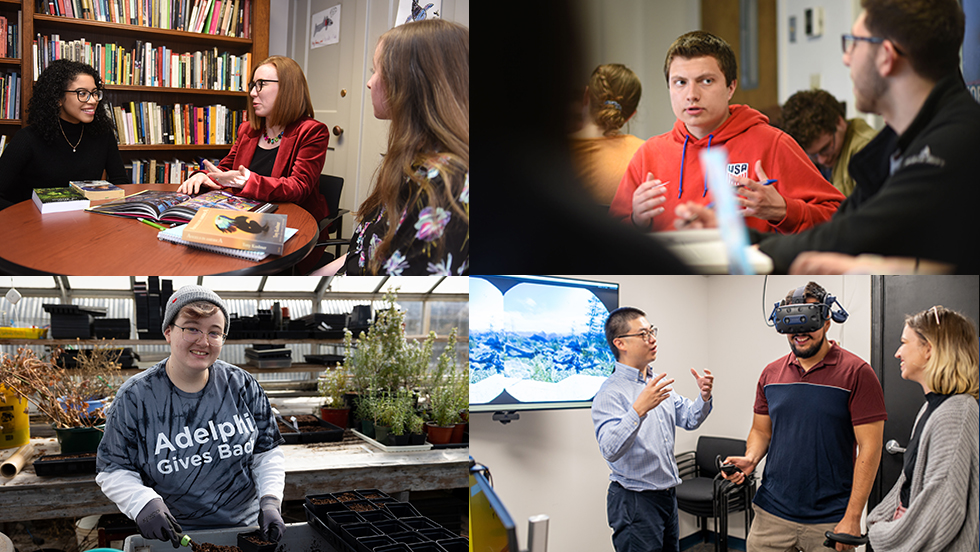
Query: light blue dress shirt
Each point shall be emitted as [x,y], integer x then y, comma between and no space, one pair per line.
[640,450]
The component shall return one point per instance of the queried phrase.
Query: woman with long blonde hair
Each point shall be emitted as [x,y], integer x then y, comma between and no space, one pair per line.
[416,218]
[934,503]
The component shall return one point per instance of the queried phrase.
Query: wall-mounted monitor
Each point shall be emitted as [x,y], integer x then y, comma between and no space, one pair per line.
[538,342]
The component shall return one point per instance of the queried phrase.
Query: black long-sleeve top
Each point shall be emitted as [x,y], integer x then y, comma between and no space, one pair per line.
[29,162]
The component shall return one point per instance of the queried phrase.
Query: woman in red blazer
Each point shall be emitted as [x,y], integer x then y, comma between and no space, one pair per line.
[278,154]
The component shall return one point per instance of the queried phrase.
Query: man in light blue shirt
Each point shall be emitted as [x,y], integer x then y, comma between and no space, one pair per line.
[634,413]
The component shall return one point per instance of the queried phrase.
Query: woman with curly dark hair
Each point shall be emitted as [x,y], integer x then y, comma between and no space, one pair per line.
[68,136]
[416,219]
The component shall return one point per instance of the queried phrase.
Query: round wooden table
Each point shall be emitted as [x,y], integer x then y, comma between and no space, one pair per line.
[84,243]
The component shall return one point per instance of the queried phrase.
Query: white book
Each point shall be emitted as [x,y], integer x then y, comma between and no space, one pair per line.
[175,235]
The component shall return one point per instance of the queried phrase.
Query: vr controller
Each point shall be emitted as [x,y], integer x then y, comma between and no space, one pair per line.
[801,317]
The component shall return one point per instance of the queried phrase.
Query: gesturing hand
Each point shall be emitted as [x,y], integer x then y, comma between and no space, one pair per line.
[156,522]
[760,201]
[655,392]
[704,383]
[647,201]
[228,179]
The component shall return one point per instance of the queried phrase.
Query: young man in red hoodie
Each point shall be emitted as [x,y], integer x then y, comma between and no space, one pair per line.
[701,70]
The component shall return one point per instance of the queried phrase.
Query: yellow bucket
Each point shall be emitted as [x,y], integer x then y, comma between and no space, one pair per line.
[15,424]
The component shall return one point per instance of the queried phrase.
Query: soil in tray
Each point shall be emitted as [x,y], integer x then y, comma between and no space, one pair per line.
[324,500]
[362,506]
[254,540]
[208,547]
[307,423]
[347,497]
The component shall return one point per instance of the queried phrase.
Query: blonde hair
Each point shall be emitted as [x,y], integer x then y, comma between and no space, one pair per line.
[953,366]
[425,68]
[198,310]
[293,99]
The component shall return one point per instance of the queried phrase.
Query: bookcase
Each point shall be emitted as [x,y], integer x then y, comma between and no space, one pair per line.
[37,23]
[10,71]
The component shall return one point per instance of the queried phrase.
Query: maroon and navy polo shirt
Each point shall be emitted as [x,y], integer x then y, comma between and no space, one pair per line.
[810,465]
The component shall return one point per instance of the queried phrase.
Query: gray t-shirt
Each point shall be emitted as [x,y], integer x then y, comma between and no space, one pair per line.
[194,449]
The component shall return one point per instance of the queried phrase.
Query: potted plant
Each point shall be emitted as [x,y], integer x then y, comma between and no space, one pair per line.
[332,385]
[75,400]
[442,401]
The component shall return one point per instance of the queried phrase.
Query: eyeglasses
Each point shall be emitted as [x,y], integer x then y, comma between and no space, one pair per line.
[260,84]
[193,335]
[644,334]
[84,95]
[847,42]
[827,150]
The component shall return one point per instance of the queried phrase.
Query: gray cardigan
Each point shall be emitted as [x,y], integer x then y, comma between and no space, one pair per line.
[943,509]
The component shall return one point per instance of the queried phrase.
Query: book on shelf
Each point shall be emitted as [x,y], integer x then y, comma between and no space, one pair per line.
[237,230]
[56,200]
[175,235]
[97,189]
[196,16]
[177,207]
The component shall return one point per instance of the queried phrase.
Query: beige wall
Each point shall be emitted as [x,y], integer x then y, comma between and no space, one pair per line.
[548,462]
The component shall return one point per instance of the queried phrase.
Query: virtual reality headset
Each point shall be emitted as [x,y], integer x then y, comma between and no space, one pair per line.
[800,317]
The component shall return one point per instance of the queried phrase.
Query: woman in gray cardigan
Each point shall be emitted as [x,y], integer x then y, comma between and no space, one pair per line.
[934,504]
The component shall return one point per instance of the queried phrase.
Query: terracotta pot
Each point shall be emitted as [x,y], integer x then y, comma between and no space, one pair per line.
[457,436]
[439,435]
[336,416]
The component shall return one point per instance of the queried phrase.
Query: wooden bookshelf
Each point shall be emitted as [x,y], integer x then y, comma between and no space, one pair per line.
[126,35]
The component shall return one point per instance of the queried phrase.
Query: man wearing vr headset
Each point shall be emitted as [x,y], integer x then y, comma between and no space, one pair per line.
[812,407]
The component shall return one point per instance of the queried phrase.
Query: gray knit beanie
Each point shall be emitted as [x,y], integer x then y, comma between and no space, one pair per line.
[190,294]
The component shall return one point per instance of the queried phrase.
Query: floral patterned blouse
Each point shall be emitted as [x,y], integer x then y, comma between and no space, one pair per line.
[429,240]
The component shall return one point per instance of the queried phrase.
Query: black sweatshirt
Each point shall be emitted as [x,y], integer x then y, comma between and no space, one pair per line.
[29,162]
[916,194]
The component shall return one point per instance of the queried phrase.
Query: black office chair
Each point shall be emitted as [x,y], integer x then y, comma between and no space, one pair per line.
[705,493]
[331,188]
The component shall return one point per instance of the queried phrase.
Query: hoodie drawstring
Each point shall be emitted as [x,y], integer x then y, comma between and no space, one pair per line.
[680,187]
[705,185]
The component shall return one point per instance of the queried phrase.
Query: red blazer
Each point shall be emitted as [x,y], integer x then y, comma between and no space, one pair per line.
[296,173]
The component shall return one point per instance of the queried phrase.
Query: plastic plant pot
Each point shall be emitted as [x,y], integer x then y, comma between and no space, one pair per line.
[374,516]
[350,532]
[458,544]
[409,538]
[372,494]
[385,500]
[347,496]
[419,523]
[254,541]
[322,504]
[391,527]
[401,509]
[397,547]
[426,547]
[370,544]
[437,534]
[361,506]
[76,440]
[336,519]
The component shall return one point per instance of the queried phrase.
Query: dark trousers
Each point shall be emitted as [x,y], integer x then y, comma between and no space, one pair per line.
[643,521]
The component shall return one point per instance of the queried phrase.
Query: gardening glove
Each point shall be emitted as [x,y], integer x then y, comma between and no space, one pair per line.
[156,522]
[270,520]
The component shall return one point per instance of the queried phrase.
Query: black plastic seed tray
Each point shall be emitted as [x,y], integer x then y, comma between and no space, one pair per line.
[372,494]
[458,544]
[350,532]
[400,509]
[313,504]
[64,464]
[409,538]
[418,523]
[329,434]
[370,544]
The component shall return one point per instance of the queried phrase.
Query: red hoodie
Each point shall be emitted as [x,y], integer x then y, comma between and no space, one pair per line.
[674,157]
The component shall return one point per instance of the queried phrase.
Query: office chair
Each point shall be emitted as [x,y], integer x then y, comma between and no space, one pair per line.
[330,188]
[705,493]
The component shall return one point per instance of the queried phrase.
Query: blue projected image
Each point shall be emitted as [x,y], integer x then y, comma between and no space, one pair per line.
[537,342]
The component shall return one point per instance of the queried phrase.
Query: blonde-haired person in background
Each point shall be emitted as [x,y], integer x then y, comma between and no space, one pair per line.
[601,152]
[934,504]
[279,152]
[416,218]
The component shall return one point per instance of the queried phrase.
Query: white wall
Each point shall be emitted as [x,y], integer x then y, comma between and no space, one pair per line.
[818,57]
[548,462]
[637,34]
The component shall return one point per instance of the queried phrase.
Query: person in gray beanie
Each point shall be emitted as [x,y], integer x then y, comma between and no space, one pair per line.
[191,443]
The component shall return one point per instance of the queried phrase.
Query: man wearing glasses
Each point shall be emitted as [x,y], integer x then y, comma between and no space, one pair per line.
[816,120]
[916,196]
[191,443]
[634,413]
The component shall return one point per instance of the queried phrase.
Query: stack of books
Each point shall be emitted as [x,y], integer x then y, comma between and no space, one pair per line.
[253,236]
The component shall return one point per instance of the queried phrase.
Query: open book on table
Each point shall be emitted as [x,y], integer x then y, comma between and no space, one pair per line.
[177,207]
